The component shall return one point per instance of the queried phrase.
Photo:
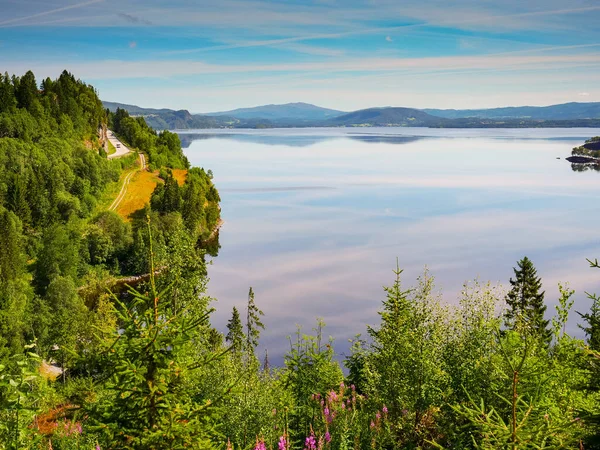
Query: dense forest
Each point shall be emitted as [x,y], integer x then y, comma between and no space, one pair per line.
[106,339]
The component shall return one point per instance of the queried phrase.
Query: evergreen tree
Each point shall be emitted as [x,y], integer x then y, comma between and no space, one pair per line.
[192,209]
[253,323]
[235,331]
[526,302]
[7,94]
[27,90]
[592,327]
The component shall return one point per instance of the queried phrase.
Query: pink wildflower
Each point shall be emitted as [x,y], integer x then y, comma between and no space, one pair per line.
[310,443]
[327,437]
[282,445]
[260,444]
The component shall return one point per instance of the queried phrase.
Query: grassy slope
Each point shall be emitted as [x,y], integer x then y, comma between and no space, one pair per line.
[140,190]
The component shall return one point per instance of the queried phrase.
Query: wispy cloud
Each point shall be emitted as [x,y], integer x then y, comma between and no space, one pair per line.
[46,13]
[158,68]
[312,49]
[132,44]
[388,38]
[480,19]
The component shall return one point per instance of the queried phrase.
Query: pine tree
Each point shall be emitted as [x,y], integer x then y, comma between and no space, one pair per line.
[253,323]
[526,302]
[235,331]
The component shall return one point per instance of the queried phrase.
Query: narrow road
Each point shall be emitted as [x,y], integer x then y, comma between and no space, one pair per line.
[121,149]
[115,204]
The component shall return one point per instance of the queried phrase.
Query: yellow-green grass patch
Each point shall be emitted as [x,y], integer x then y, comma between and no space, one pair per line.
[111,148]
[138,193]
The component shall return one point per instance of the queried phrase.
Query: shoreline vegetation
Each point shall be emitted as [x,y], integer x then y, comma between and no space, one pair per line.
[586,156]
[106,339]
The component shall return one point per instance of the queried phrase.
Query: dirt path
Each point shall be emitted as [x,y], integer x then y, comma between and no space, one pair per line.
[115,204]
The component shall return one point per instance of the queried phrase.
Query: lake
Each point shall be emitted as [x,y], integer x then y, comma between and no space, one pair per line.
[315,218]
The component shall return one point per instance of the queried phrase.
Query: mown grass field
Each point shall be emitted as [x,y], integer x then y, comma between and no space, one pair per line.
[140,190]
[112,190]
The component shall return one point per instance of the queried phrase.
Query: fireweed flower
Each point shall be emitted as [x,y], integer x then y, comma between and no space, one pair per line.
[372,424]
[384,409]
[282,445]
[327,437]
[310,443]
[378,415]
[260,444]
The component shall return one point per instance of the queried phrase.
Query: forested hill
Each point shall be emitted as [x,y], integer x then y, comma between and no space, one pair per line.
[169,119]
[57,236]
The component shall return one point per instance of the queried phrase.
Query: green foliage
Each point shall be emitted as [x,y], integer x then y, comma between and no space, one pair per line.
[235,332]
[19,399]
[253,323]
[310,368]
[521,421]
[147,404]
[407,348]
[526,302]
[166,197]
[163,149]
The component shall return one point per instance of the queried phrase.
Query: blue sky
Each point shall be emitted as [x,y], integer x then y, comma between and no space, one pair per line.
[217,55]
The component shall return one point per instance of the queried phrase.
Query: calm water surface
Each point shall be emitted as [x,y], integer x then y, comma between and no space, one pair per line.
[315,218]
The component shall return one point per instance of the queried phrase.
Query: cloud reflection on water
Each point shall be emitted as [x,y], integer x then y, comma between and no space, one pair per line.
[315,229]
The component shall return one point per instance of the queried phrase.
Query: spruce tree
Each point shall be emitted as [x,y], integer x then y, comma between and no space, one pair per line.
[253,323]
[235,331]
[526,302]
[592,324]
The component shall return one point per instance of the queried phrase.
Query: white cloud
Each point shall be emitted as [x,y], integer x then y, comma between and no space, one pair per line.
[388,38]
[156,68]
[19,20]
[132,44]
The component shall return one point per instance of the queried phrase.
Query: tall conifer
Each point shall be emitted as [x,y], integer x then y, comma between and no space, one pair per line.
[253,323]
[235,331]
[526,302]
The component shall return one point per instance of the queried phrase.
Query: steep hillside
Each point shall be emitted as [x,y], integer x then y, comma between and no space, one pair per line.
[169,119]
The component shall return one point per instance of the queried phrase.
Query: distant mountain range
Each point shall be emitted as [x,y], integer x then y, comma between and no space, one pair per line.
[564,111]
[288,112]
[307,115]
